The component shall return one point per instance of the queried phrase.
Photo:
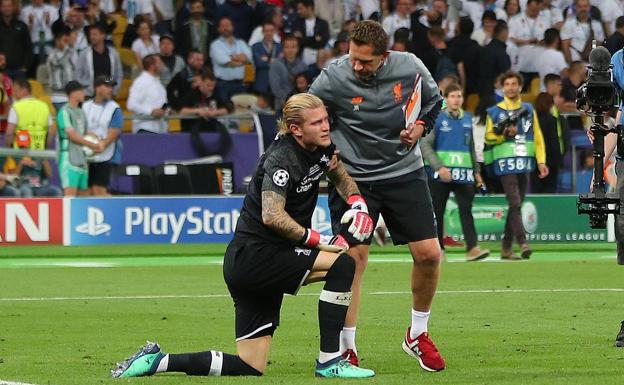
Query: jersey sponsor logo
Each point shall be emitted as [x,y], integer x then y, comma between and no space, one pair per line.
[303,251]
[280,177]
[356,101]
[325,159]
[397,92]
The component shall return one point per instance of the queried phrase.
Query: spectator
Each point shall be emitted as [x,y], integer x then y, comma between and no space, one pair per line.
[147,96]
[203,101]
[29,119]
[554,130]
[493,62]
[341,45]
[464,52]
[436,59]
[6,190]
[72,127]
[106,123]
[34,175]
[75,20]
[578,33]
[264,53]
[61,68]
[510,9]
[315,69]
[99,59]
[550,59]
[173,63]
[181,83]
[553,14]
[197,33]
[332,11]
[95,14]
[241,16]
[274,16]
[569,85]
[402,41]
[39,17]
[527,29]
[6,91]
[184,12]
[147,43]
[400,18]
[313,31]
[136,10]
[552,84]
[15,41]
[164,10]
[484,34]
[610,10]
[229,56]
[615,42]
[282,72]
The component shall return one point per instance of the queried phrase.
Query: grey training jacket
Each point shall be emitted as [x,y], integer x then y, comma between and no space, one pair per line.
[368,116]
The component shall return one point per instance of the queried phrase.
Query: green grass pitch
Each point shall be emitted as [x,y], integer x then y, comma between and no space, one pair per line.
[68,314]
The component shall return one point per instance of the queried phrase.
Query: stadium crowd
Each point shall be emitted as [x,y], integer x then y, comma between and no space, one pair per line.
[163,56]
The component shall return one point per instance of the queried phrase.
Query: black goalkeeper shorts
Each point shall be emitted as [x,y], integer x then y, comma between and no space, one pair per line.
[404,202]
[258,274]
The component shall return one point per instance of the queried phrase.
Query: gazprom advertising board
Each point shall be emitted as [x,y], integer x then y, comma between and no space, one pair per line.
[163,220]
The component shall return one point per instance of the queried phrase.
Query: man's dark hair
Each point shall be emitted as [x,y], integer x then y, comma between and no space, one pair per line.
[488,15]
[149,60]
[511,74]
[402,34]
[466,26]
[534,1]
[551,35]
[196,1]
[192,52]
[370,32]
[99,27]
[452,88]
[267,22]
[619,22]
[306,3]
[22,83]
[551,78]
[543,102]
[436,31]
[500,27]
[207,74]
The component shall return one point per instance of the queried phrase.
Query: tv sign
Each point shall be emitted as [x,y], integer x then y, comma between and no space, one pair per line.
[31,221]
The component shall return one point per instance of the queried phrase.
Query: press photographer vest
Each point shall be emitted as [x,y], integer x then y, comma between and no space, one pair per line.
[453,138]
[98,121]
[515,155]
[32,116]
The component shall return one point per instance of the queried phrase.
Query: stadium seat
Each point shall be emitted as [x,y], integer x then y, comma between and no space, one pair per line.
[250,73]
[122,95]
[118,32]
[140,178]
[175,125]
[472,101]
[173,179]
[128,60]
[127,122]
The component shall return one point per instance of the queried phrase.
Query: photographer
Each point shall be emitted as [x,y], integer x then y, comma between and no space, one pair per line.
[514,143]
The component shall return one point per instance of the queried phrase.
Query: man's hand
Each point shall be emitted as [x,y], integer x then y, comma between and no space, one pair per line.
[445,174]
[361,223]
[411,134]
[543,170]
[330,243]
[97,147]
[158,112]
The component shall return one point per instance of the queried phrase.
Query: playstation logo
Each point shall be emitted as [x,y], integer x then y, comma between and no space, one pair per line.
[95,223]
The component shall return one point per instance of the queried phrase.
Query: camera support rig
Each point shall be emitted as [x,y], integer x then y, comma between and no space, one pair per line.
[599,204]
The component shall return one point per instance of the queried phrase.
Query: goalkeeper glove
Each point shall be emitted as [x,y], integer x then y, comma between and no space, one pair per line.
[333,244]
[361,223]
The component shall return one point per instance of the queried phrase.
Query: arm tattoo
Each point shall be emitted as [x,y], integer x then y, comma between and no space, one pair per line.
[345,185]
[277,219]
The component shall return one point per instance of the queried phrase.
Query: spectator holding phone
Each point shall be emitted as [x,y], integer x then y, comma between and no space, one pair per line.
[148,96]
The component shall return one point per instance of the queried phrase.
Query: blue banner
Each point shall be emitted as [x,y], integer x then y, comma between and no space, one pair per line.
[164,220]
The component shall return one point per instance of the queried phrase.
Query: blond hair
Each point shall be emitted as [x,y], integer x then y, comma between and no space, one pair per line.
[292,113]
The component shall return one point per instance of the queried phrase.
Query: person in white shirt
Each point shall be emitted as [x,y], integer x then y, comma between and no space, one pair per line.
[472,9]
[610,10]
[509,9]
[551,60]
[138,7]
[399,19]
[527,29]
[148,96]
[483,35]
[147,43]
[39,18]
[577,31]
[553,13]
[276,17]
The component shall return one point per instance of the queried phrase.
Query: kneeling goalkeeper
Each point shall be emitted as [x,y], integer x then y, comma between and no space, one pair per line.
[274,251]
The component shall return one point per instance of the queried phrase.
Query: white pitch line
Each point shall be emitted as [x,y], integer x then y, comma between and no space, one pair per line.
[200,296]
[2,382]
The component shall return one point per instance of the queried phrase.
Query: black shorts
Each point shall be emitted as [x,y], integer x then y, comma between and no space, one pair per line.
[100,174]
[404,202]
[258,274]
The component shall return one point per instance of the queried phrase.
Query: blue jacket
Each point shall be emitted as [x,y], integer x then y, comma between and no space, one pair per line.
[262,60]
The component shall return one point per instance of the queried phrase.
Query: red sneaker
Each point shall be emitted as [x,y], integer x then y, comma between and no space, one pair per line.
[425,351]
[449,241]
[350,356]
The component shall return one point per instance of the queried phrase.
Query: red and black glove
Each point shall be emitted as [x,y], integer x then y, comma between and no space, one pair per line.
[333,244]
[361,223]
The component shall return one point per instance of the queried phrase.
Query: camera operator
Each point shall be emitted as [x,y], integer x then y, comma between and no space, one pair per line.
[514,143]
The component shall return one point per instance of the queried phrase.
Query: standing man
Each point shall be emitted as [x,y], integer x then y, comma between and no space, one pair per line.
[578,32]
[451,160]
[512,151]
[14,41]
[147,96]
[29,119]
[274,252]
[229,56]
[311,30]
[105,120]
[72,127]
[99,59]
[366,91]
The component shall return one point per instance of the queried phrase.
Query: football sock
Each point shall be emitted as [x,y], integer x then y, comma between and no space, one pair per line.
[420,320]
[347,339]
[163,364]
[334,303]
[324,357]
[211,363]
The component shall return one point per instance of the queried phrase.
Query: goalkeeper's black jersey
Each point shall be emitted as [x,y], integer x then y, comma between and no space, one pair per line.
[291,171]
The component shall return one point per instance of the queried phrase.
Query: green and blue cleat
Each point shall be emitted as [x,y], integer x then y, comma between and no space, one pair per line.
[142,363]
[341,368]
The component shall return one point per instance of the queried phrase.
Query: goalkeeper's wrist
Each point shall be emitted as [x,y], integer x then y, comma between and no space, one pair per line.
[310,238]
